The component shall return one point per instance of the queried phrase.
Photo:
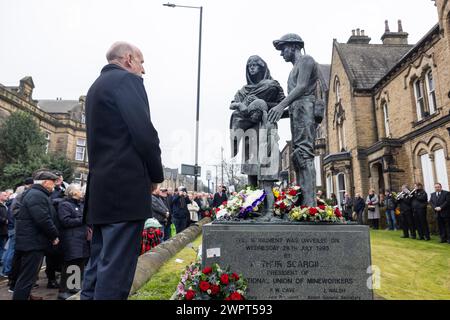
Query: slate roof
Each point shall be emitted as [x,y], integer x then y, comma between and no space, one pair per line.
[326,71]
[366,64]
[58,106]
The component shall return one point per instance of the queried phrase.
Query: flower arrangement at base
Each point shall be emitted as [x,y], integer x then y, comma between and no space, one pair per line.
[286,200]
[211,283]
[316,214]
[246,204]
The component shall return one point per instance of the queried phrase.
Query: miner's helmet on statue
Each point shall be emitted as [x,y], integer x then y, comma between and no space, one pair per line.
[290,38]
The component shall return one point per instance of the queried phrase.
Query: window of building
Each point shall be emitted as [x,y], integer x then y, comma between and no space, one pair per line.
[47,139]
[337,86]
[318,166]
[431,94]
[387,127]
[80,178]
[329,186]
[420,101]
[83,118]
[80,152]
[340,183]
[341,137]
[441,168]
[427,172]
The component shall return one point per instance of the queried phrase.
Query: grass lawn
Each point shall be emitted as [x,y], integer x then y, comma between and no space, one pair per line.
[411,269]
[164,283]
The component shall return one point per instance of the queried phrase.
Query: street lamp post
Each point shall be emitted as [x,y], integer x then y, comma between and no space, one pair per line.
[171,5]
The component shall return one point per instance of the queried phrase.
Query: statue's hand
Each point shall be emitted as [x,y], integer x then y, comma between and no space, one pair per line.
[275,114]
[234,106]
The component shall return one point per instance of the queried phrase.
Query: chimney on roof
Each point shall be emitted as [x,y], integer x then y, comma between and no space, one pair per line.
[358,37]
[394,38]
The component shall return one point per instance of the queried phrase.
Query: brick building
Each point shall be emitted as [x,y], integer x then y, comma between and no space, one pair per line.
[388,118]
[62,121]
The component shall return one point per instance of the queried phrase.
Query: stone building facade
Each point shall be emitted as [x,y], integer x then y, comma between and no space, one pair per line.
[388,120]
[62,121]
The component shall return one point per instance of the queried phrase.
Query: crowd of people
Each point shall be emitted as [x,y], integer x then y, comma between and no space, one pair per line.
[406,210]
[41,222]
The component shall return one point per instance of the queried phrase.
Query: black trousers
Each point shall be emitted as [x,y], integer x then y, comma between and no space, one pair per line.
[110,271]
[444,227]
[375,223]
[53,262]
[408,224]
[15,268]
[420,219]
[29,269]
[79,264]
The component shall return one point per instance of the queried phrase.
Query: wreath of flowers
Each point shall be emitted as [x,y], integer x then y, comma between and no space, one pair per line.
[316,214]
[211,283]
[288,203]
[246,204]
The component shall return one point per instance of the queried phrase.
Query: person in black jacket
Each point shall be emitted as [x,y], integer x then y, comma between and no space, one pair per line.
[180,209]
[35,231]
[406,213]
[419,205]
[159,208]
[167,198]
[74,240]
[440,202]
[358,206]
[3,222]
[124,165]
[220,196]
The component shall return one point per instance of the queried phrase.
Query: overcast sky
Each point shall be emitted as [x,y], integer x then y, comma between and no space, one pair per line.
[62,45]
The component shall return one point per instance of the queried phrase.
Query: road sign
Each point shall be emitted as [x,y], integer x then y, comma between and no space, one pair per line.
[189,170]
[208,175]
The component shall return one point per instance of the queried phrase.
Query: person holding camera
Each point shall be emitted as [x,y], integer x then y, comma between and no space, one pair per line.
[180,209]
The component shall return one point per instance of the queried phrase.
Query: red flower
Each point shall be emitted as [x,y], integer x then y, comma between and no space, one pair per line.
[313,211]
[282,206]
[224,203]
[303,207]
[292,192]
[338,213]
[204,286]
[224,279]
[235,276]
[215,289]
[322,207]
[236,296]
[207,270]
[227,298]
[217,210]
[190,294]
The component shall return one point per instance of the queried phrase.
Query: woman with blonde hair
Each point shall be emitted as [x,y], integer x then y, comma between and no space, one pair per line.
[373,209]
[74,235]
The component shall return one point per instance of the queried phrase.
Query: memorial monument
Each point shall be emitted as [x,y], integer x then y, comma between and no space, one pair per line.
[287,259]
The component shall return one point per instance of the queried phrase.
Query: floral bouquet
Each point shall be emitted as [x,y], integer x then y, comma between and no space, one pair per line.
[285,201]
[316,214]
[246,204]
[211,283]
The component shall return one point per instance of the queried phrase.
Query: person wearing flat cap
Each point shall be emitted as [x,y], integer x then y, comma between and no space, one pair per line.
[35,231]
[302,102]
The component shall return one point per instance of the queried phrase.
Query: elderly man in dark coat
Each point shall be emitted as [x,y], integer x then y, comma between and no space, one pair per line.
[124,165]
[35,231]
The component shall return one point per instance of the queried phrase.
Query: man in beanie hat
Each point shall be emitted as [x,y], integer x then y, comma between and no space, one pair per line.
[35,231]
[301,101]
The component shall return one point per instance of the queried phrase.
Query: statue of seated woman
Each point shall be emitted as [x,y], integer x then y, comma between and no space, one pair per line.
[251,105]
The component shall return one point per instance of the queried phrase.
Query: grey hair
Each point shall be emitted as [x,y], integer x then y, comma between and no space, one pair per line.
[71,189]
[20,190]
[119,50]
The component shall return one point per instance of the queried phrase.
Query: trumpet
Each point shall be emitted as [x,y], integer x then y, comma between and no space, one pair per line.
[412,193]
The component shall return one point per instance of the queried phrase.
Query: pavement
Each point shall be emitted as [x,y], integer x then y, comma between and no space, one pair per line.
[41,291]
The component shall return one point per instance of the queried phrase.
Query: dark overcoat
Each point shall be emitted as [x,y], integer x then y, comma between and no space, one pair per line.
[123,149]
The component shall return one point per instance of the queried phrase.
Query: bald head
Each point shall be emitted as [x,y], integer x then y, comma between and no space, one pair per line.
[127,56]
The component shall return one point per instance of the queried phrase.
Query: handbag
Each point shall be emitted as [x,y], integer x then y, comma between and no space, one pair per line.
[371,207]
